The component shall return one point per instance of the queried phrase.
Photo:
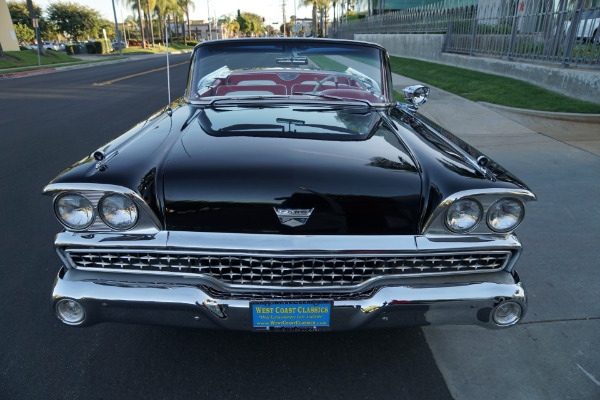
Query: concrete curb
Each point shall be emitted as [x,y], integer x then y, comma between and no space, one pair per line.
[9,75]
[572,117]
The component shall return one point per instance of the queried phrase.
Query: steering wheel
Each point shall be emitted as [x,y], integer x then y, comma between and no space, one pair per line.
[334,77]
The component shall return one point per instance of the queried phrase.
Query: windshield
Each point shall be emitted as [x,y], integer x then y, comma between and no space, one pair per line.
[287,69]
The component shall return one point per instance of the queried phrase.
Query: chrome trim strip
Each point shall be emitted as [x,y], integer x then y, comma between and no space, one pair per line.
[283,244]
[290,243]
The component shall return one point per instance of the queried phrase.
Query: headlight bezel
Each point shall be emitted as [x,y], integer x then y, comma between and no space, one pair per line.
[512,228]
[107,223]
[147,223]
[463,200]
[60,219]
[435,224]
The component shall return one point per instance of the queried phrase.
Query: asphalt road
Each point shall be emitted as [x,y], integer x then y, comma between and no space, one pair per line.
[47,122]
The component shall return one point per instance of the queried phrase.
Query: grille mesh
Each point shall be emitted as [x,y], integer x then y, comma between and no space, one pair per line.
[288,271]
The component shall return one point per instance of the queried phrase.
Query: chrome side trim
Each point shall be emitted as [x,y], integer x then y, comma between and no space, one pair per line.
[289,243]
[283,244]
[486,197]
[147,223]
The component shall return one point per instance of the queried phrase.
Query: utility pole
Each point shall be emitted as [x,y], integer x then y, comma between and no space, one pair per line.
[283,9]
[117,32]
[208,18]
[38,37]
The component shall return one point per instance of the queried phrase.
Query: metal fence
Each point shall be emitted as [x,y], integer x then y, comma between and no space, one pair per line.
[563,32]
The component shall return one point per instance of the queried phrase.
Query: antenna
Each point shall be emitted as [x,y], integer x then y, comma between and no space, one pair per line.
[168,74]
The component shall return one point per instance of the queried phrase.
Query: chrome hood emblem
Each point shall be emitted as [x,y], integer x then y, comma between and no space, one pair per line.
[293,216]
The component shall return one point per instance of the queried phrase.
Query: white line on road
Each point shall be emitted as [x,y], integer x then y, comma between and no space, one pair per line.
[589,375]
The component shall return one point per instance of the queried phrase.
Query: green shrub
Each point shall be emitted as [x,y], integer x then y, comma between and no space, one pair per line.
[97,47]
[72,49]
[91,48]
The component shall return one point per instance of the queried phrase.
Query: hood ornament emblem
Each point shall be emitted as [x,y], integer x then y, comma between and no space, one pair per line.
[293,216]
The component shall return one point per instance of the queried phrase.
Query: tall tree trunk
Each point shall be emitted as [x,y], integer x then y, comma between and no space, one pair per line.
[183,31]
[177,28]
[187,13]
[1,51]
[38,37]
[160,27]
[141,24]
[314,17]
[150,29]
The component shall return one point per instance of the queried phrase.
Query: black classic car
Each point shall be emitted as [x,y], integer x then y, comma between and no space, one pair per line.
[288,190]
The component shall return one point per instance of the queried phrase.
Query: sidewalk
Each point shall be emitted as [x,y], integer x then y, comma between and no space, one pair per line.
[553,353]
[481,124]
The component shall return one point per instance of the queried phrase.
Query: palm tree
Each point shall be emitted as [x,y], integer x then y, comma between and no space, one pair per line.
[171,10]
[189,3]
[150,4]
[135,4]
[182,4]
[314,13]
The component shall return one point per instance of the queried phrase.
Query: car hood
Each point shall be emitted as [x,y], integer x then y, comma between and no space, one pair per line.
[234,168]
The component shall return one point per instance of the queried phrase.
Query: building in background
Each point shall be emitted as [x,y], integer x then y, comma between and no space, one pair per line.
[302,27]
[8,37]
[370,7]
[200,30]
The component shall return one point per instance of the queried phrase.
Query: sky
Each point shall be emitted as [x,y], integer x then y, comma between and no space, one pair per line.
[270,9]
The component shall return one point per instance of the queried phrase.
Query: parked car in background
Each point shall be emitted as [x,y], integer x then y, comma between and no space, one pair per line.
[51,46]
[115,45]
[288,190]
[588,27]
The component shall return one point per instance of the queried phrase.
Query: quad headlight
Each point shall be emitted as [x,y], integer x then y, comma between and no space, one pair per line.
[118,211]
[463,215]
[505,215]
[74,211]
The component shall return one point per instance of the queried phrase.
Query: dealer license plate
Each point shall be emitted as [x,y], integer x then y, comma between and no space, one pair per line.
[291,315]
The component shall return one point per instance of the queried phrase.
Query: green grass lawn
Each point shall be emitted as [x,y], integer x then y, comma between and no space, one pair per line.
[25,58]
[327,63]
[478,86]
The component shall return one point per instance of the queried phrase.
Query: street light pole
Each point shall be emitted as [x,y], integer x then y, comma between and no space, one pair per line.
[208,19]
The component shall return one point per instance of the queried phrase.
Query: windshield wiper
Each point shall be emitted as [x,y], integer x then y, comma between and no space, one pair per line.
[328,96]
[252,127]
[239,101]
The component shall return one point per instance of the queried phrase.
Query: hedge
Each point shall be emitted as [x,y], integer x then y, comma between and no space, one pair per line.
[72,49]
[98,47]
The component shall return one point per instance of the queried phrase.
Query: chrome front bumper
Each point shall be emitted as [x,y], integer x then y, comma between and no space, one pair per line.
[192,301]
[440,301]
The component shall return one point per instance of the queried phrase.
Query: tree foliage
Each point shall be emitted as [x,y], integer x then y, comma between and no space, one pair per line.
[73,19]
[20,15]
[250,23]
[24,33]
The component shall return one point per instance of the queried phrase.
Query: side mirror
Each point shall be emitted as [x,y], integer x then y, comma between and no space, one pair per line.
[417,95]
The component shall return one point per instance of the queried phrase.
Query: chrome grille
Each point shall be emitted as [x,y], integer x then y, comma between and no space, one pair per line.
[287,271]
